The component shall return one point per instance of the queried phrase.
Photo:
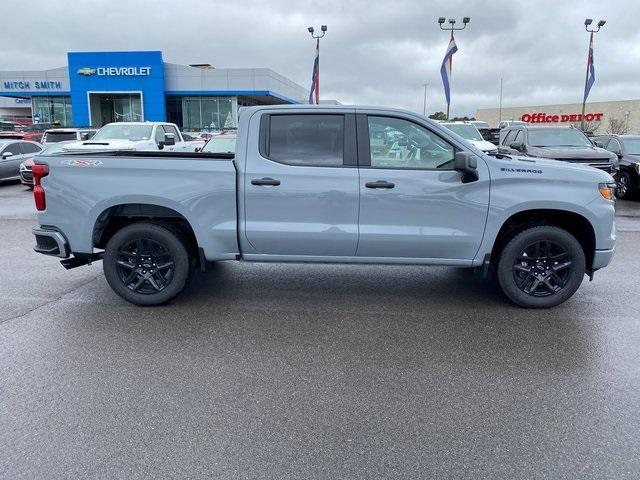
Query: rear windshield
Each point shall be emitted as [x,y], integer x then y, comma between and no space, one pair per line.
[558,137]
[54,137]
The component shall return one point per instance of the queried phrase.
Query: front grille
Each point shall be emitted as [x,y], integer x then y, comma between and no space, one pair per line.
[27,176]
[590,161]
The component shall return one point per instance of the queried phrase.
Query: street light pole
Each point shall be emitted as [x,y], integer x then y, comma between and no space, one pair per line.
[315,82]
[451,27]
[424,103]
[587,23]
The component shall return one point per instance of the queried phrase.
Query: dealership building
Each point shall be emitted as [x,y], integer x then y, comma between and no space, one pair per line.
[101,87]
[599,116]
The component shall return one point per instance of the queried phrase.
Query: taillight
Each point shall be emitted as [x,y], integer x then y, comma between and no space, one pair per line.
[39,171]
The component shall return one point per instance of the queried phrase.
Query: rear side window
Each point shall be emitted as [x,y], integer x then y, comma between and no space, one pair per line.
[54,137]
[29,147]
[308,140]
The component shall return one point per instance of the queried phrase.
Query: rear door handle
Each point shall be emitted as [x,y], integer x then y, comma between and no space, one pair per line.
[380,184]
[265,181]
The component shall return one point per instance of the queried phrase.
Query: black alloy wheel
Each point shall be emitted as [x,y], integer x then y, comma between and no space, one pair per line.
[145,266]
[623,187]
[542,269]
[147,263]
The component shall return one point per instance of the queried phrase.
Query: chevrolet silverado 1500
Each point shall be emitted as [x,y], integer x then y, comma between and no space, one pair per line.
[327,184]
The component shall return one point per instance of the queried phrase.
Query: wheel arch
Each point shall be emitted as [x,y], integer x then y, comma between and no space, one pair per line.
[574,223]
[115,217]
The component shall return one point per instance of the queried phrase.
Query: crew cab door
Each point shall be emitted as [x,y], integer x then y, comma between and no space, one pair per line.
[301,184]
[412,203]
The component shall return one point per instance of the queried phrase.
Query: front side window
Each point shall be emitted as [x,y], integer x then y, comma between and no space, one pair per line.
[309,140]
[30,147]
[13,148]
[632,145]
[398,143]
[172,129]
[508,139]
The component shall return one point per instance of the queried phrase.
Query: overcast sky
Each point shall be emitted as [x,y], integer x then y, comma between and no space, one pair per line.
[375,52]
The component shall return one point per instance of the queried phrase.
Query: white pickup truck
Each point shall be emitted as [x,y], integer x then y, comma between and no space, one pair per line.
[133,136]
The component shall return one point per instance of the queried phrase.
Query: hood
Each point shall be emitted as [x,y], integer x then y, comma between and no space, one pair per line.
[483,145]
[583,153]
[100,145]
[554,168]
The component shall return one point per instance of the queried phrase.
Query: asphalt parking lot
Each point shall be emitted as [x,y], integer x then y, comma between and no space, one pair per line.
[314,371]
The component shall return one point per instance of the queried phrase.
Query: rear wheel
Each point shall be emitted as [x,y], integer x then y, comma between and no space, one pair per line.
[541,267]
[146,264]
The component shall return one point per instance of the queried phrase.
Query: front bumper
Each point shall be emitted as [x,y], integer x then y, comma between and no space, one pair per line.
[50,242]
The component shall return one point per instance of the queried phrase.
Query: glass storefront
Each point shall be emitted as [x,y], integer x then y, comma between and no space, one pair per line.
[203,112]
[52,109]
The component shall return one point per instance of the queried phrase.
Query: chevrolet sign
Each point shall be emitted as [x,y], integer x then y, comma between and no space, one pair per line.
[116,71]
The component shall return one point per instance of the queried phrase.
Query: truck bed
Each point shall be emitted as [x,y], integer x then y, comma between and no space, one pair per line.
[83,188]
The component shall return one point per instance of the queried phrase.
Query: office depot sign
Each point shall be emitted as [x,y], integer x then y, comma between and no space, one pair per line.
[560,118]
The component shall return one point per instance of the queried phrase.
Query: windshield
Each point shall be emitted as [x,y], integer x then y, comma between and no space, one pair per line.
[480,124]
[632,145]
[220,145]
[558,137]
[124,132]
[466,131]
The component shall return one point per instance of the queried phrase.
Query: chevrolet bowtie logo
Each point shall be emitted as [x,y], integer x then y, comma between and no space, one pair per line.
[86,71]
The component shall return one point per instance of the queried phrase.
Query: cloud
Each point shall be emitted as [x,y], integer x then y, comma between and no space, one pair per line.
[376,53]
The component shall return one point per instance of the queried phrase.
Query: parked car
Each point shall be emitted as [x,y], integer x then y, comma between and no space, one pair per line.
[223,143]
[56,135]
[12,153]
[10,126]
[567,144]
[26,177]
[470,133]
[32,132]
[132,136]
[306,185]
[627,149]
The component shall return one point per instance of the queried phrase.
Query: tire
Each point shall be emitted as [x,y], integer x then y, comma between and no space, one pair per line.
[625,185]
[146,264]
[545,257]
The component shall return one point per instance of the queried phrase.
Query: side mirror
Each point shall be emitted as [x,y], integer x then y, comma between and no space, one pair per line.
[6,155]
[519,146]
[467,163]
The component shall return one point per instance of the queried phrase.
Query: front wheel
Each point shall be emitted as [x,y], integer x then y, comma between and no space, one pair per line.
[146,264]
[625,186]
[541,267]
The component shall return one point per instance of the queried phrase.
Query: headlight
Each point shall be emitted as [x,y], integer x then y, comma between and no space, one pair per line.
[607,190]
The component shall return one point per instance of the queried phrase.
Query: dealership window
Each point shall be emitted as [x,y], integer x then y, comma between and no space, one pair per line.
[203,112]
[52,109]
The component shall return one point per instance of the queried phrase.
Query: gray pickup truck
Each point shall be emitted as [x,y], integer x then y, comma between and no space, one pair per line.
[327,184]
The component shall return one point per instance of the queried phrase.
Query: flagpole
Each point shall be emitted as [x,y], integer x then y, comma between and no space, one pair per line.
[586,80]
[587,23]
[315,80]
[451,27]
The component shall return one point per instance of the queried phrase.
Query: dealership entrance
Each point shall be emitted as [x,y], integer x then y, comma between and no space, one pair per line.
[108,107]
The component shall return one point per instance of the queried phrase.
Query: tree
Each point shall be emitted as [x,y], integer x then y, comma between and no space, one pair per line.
[617,126]
[462,119]
[438,116]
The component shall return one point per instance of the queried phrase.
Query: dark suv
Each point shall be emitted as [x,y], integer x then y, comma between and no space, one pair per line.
[567,144]
[627,149]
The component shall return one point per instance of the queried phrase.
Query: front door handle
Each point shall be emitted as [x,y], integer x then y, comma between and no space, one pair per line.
[380,184]
[265,181]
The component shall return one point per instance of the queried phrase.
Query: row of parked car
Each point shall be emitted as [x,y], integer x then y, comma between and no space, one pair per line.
[618,155]
[18,149]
